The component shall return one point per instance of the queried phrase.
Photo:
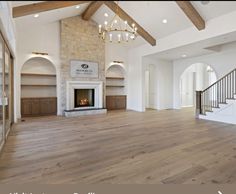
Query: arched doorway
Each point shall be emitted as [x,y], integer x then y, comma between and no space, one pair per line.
[196,77]
[38,88]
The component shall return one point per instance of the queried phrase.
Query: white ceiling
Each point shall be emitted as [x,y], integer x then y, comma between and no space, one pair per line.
[49,16]
[149,14]
[204,47]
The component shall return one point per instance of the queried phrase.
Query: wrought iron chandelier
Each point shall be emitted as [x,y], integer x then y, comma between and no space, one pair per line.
[116,30]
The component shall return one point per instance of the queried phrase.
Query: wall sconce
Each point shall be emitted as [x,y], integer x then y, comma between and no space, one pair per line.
[118,62]
[38,53]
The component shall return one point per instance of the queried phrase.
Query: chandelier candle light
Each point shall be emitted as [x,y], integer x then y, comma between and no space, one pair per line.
[117,31]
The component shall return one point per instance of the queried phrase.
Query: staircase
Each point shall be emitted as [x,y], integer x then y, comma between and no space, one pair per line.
[218,101]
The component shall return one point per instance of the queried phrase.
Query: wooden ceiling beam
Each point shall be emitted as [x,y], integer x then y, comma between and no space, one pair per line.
[192,14]
[124,16]
[43,6]
[91,9]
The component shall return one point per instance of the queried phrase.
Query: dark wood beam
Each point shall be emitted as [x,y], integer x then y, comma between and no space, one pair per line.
[91,9]
[43,6]
[192,14]
[124,16]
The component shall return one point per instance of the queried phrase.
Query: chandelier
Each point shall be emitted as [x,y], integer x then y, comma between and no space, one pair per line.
[116,30]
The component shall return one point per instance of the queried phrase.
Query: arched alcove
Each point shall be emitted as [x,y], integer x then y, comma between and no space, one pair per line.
[115,80]
[195,77]
[38,88]
[115,87]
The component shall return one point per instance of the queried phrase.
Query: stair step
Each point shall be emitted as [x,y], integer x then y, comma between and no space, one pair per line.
[208,111]
[222,102]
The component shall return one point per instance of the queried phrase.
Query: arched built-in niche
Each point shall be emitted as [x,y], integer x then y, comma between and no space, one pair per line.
[115,80]
[196,77]
[115,87]
[38,88]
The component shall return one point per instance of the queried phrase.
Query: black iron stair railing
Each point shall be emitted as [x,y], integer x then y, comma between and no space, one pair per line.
[217,93]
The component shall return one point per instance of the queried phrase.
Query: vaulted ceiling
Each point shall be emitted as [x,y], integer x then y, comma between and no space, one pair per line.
[148,14]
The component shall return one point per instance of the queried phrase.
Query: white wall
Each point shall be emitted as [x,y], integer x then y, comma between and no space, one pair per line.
[152,86]
[39,37]
[38,66]
[222,63]
[42,37]
[160,83]
[116,52]
[194,78]
[185,37]
[136,87]
[7,25]
[136,82]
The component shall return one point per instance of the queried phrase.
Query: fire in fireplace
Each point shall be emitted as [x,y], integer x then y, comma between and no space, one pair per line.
[84,98]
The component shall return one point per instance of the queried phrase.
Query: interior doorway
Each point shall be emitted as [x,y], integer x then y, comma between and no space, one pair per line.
[197,77]
[150,87]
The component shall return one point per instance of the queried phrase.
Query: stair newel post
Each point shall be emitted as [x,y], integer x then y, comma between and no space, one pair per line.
[198,103]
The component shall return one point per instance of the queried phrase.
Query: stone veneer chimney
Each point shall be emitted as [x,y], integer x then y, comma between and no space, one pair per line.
[80,41]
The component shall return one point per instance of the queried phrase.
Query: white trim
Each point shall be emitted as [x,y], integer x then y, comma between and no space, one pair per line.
[1,145]
[98,93]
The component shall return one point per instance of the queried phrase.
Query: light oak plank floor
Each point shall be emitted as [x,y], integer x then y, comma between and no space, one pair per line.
[163,147]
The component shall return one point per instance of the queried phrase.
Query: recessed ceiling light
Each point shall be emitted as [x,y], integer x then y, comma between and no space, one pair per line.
[106,14]
[205,2]
[164,21]
[77,6]
[183,55]
[36,15]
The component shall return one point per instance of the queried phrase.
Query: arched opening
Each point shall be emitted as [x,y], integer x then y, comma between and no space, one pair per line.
[38,88]
[196,77]
[115,87]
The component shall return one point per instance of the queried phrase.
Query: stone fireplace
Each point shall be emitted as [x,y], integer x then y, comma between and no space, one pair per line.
[79,41]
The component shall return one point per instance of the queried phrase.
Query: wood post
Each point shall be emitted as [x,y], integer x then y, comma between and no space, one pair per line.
[198,103]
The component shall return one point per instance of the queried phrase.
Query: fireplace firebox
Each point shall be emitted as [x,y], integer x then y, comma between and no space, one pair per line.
[84,98]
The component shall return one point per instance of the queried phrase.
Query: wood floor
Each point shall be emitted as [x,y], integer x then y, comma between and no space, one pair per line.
[121,147]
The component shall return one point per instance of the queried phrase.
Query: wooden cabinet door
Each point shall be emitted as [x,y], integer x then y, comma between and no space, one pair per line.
[110,103]
[115,102]
[38,106]
[44,106]
[120,102]
[52,106]
[35,107]
[26,107]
